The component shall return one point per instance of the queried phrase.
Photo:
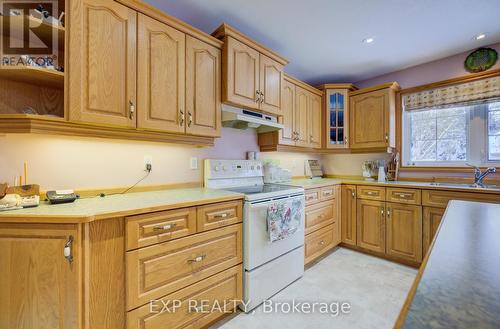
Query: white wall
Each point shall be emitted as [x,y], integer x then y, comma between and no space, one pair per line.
[57,162]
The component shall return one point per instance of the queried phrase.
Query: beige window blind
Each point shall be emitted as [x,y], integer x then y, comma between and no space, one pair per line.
[460,94]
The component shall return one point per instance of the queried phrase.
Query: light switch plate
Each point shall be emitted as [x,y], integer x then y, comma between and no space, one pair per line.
[193,163]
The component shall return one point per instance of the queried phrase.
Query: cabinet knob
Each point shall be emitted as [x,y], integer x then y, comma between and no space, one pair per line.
[322,242]
[386,137]
[197,259]
[182,118]
[68,249]
[131,108]
[190,119]
[382,211]
[257,96]
[164,227]
[353,194]
[262,97]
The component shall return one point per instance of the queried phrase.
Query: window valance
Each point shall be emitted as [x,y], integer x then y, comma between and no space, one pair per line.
[455,95]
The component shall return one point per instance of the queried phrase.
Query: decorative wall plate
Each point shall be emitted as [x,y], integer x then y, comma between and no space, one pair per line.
[480,60]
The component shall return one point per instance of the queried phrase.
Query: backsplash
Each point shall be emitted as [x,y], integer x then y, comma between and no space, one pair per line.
[57,162]
[348,164]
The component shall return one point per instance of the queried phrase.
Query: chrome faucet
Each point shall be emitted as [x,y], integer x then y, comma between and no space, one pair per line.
[480,176]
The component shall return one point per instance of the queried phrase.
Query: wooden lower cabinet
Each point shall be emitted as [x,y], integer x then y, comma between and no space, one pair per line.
[219,292]
[322,221]
[155,271]
[319,215]
[348,214]
[321,241]
[431,220]
[371,225]
[39,287]
[404,231]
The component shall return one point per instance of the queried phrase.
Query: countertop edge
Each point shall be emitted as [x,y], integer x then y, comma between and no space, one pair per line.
[68,219]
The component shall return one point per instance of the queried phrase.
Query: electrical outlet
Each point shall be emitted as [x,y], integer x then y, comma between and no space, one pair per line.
[148,162]
[193,163]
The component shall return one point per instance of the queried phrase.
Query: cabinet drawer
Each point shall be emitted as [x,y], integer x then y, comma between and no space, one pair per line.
[319,242]
[219,215]
[221,289]
[371,193]
[312,196]
[403,195]
[327,193]
[155,271]
[145,230]
[440,199]
[319,215]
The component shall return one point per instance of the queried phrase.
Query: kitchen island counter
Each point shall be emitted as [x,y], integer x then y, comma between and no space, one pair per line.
[458,285]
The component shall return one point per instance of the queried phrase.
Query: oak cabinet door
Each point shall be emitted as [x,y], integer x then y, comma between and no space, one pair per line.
[39,287]
[271,82]
[103,63]
[241,74]
[371,225]
[287,135]
[301,121]
[203,105]
[431,219]
[314,127]
[348,214]
[369,119]
[161,76]
[404,231]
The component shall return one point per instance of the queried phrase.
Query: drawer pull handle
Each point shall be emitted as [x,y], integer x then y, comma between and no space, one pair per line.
[224,215]
[310,197]
[321,216]
[371,193]
[327,193]
[322,242]
[197,259]
[403,195]
[68,252]
[164,227]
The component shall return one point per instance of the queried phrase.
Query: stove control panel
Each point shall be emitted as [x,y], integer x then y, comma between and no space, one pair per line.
[232,171]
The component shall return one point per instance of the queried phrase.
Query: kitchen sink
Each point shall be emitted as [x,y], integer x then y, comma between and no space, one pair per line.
[496,187]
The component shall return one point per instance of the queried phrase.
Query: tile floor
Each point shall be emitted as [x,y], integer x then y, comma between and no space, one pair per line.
[375,289]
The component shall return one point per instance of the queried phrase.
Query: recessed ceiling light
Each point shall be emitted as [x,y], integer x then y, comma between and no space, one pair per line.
[368,40]
[480,36]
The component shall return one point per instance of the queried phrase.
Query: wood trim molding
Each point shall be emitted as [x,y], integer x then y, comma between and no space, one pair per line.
[226,30]
[453,81]
[437,174]
[23,123]
[392,85]
[148,10]
[302,84]
[348,86]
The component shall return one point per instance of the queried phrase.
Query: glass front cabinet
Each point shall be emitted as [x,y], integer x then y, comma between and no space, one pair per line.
[336,115]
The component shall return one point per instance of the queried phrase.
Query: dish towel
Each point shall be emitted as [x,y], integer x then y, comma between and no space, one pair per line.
[284,218]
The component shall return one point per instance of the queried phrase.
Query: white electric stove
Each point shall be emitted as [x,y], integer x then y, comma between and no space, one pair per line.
[268,266]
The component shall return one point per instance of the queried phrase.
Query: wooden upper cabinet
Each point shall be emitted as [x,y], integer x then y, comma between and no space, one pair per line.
[203,80]
[161,76]
[287,135]
[371,225]
[348,214]
[301,123]
[252,75]
[372,117]
[241,74]
[336,114]
[404,231]
[40,288]
[271,82]
[314,127]
[102,83]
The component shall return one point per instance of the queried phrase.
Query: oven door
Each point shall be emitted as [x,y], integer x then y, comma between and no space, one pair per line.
[257,249]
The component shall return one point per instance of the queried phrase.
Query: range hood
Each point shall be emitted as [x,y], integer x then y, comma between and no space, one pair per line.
[237,118]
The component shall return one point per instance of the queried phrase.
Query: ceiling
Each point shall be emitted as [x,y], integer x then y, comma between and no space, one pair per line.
[322,39]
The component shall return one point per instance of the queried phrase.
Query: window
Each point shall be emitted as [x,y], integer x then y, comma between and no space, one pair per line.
[494,131]
[452,136]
